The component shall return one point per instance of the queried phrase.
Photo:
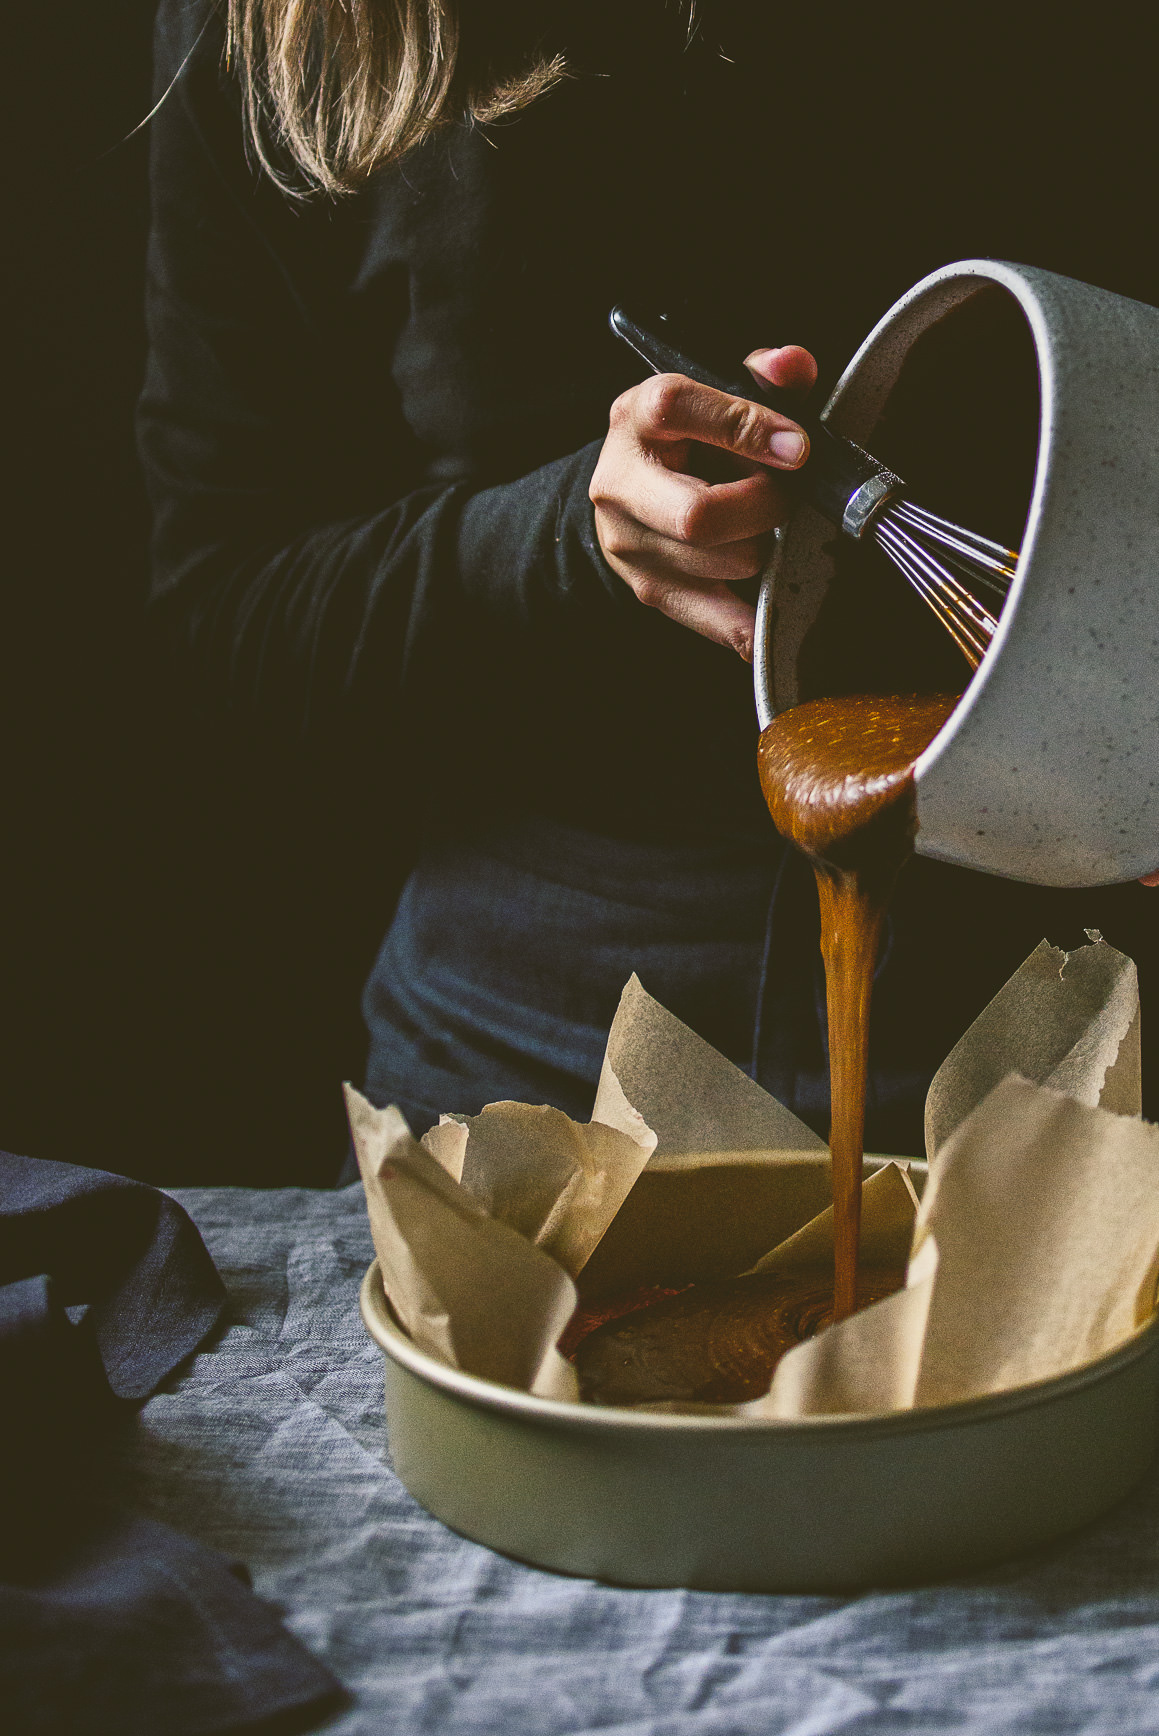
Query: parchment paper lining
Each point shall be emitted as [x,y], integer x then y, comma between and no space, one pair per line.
[1035,1248]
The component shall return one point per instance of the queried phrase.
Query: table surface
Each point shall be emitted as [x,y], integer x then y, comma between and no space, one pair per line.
[271,1447]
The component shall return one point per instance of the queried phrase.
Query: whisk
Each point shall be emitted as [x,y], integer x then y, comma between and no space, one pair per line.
[946,564]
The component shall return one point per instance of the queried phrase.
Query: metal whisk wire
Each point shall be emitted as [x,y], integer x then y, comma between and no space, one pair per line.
[946,564]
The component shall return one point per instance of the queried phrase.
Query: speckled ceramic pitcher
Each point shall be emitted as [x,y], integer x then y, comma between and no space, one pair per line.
[1048,771]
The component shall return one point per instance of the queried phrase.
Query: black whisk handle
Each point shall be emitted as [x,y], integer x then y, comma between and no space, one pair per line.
[664,356]
[848,486]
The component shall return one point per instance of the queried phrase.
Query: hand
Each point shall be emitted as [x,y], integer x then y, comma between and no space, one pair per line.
[1149,879]
[678,540]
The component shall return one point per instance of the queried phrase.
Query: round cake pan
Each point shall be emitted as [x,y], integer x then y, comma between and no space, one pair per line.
[724,1503]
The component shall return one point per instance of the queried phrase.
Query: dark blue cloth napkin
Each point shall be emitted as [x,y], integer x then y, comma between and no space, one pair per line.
[127,1250]
[110,1622]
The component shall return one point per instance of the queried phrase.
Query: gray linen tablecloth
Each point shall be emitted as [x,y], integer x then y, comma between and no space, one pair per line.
[271,1447]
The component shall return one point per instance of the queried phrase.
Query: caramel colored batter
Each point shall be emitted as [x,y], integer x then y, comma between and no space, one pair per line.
[714,1343]
[838,777]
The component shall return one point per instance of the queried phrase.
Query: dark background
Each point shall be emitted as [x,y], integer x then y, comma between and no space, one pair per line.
[185,932]
[184,935]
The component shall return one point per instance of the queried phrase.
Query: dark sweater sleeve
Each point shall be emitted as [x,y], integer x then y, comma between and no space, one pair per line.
[301,556]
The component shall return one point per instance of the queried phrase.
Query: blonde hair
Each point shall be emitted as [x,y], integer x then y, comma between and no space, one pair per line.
[334,89]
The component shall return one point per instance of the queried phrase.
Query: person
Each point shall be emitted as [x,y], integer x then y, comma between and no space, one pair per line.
[414,505]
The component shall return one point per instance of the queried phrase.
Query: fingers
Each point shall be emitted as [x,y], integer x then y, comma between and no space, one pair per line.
[676,539]
[637,545]
[671,408]
[713,611]
[790,367]
[691,511]
[689,585]
[1149,879]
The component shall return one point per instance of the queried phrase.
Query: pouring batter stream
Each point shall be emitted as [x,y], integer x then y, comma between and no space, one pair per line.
[838,777]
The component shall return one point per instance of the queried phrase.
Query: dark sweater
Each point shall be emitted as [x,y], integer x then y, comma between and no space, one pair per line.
[368,431]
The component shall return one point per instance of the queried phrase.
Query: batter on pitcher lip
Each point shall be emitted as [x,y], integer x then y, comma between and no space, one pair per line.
[838,777]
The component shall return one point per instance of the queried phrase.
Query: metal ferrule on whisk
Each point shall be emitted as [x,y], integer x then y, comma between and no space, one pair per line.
[866,502]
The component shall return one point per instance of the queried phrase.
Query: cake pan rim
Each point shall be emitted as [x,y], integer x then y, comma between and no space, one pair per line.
[491,1395]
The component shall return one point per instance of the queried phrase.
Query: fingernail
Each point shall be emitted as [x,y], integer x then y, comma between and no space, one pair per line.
[787,448]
